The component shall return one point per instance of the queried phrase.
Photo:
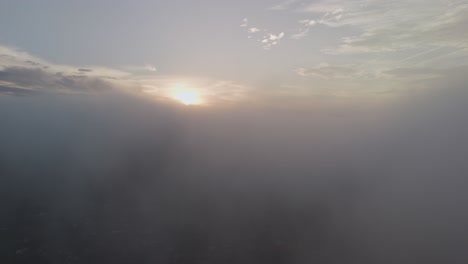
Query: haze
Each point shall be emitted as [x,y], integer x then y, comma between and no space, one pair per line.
[321,131]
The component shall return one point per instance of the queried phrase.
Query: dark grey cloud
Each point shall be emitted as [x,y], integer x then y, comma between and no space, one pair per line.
[41,80]
[5,89]
[33,63]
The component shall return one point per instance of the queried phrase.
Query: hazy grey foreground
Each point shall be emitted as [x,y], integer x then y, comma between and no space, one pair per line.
[117,179]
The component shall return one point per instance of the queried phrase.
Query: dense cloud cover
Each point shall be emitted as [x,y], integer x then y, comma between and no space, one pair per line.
[115,178]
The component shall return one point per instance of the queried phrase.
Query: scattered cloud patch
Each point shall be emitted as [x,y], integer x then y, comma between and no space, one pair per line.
[277,37]
[268,39]
[245,23]
[150,68]
[271,40]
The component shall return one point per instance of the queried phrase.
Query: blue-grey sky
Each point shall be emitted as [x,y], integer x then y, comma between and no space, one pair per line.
[260,50]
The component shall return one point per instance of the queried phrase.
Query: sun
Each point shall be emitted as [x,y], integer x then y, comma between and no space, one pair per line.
[186,96]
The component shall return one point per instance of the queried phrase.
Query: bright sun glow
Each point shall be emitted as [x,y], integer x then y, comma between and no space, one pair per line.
[187,96]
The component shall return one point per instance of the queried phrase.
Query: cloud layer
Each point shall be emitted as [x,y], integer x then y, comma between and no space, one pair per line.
[22,73]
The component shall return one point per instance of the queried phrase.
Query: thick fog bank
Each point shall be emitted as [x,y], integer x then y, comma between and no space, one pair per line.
[118,179]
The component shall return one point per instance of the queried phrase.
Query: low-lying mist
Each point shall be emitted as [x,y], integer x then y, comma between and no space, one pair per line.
[120,179]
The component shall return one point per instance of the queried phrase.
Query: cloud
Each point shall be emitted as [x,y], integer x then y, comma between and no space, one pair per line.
[150,67]
[415,73]
[271,40]
[5,89]
[268,39]
[337,11]
[140,69]
[308,22]
[21,73]
[328,71]
[245,22]
[418,24]
[326,6]
[41,80]
[301,34]
[283,5]
[24,73]
[276,37]
[12,57]
[254,30]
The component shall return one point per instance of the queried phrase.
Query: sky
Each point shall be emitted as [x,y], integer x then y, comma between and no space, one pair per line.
[282,132]
[229,51]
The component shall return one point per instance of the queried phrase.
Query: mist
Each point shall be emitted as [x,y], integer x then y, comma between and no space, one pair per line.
[118,178]
[233,132]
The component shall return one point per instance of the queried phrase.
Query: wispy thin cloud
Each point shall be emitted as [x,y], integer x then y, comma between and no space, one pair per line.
[283,5]
[245,22]
[304,31]
[150,68]
[388,26]
[308,22]
[327,71]
[302,34]
[415,73]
